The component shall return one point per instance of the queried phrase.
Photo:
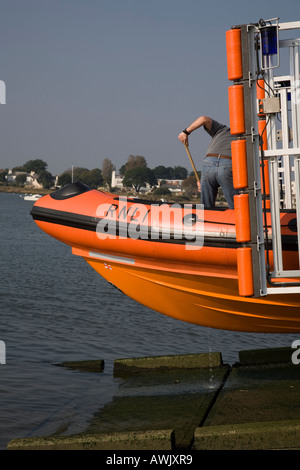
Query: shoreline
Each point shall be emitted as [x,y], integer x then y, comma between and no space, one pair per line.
[43,192]
[25,190]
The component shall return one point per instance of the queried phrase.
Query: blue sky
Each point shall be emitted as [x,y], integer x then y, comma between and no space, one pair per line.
[91,79]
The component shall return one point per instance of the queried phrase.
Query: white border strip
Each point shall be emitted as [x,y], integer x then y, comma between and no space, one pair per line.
[283,290]
[117,259]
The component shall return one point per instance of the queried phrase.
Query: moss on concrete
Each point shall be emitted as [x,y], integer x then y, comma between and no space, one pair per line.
[258,393]
[249,436]
[138,440]
[163,399]
[187,361]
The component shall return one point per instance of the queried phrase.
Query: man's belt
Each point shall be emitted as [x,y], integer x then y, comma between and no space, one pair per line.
[218,155]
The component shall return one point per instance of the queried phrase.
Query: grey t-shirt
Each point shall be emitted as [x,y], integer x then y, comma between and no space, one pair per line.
[221,139]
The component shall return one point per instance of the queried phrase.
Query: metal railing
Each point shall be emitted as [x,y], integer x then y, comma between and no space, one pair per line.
[281,111]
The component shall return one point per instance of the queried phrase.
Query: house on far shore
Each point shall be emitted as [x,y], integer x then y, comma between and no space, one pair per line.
[31,178]
[174,185]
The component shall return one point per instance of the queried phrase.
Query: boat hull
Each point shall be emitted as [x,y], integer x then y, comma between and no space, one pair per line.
[200,299]
[194,284]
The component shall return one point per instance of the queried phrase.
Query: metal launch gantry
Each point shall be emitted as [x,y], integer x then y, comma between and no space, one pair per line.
[264,110]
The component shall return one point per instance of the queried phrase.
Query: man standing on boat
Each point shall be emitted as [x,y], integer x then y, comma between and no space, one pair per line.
[216,168]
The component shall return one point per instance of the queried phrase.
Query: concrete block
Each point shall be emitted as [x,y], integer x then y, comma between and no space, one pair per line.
[96,365]
[184,361]
[137,440]
[274,435]
[266,356]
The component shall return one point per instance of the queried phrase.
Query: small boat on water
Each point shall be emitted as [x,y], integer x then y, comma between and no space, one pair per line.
[32,197]
[182,264]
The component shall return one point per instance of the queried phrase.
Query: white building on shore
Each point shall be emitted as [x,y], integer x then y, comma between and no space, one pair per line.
[116,180]
[173,185]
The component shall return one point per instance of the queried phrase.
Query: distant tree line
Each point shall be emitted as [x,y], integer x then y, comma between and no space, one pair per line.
[135,172]
[92,178]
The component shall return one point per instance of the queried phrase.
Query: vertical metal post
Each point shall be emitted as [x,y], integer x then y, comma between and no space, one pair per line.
[275,215]
[253,162]
[274,181]
[295,93]
[295,113]
[285,144]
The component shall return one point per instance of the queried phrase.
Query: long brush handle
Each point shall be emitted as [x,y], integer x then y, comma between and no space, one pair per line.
[192,163]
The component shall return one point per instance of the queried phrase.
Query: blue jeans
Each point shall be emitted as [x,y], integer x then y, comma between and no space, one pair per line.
[215,173]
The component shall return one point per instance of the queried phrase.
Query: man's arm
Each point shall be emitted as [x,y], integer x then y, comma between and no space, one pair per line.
[199,122]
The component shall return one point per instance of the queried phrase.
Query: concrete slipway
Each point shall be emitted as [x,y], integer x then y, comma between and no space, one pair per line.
[193,402]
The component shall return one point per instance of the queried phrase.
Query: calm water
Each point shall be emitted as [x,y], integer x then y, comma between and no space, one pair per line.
[55,308]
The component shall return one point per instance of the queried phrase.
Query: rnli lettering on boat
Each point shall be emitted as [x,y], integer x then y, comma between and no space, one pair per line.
[141,221]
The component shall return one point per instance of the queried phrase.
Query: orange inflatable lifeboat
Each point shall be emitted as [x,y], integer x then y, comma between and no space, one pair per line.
[176,259]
